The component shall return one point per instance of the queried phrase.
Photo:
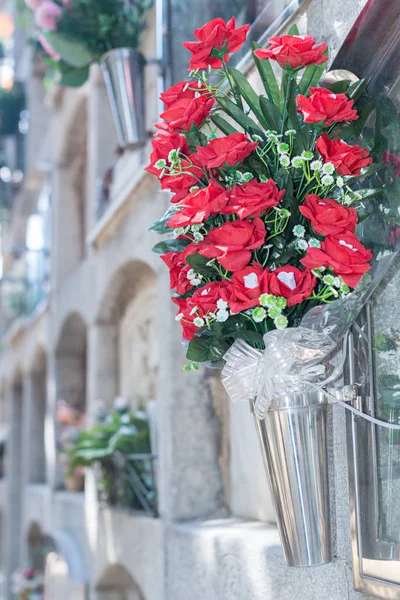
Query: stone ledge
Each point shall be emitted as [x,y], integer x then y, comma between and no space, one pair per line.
[231,559]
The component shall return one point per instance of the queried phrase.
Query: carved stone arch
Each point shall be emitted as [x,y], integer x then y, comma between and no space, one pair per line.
[116,583]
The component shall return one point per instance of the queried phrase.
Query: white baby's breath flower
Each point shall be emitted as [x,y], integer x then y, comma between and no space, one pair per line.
[221,304]
[258,314]
[290,132]
[160,164]
[328,168]
[198,237]
[194,310]
[299,231]
[327,180]
[195,281]
[281,322]
[297,162]
[302,244]
[314,243]
[198,321]
[340,182]
[316,165]
[222,316]
[284,160]
[179,317]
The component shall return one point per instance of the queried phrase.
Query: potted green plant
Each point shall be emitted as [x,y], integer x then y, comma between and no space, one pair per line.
[77,33]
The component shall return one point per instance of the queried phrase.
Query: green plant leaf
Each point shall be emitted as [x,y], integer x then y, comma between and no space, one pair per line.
[223,125]
[73,77]
[311,76]
[170,246]
[267,77]
[355,90]
[239,116]
[72,50]
[271,114]
[248,94]
[161,226]
[206,348]
[199,265]
[293,30]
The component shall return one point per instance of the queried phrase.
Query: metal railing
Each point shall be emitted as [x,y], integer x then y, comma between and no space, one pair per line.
[127,482]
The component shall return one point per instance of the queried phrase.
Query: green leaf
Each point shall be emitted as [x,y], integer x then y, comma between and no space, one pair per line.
[311,76]
[369,193]
[206,348]
[355,90]
[267,76]
[199,265]
[73,77]
[248,94]
[223,125]
[161,226]
[170,246]
[271,114]
[72,51]
[239,116]
[293,30]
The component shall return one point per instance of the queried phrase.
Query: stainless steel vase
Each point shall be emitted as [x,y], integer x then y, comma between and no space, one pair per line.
[123,70]
[293,438]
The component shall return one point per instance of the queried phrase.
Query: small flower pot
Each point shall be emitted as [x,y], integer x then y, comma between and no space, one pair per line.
[293,439]
[123,70]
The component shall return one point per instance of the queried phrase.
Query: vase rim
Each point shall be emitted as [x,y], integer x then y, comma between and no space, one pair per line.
[121,53]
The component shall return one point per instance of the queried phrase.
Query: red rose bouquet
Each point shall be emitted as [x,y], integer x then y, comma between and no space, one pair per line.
[266,196]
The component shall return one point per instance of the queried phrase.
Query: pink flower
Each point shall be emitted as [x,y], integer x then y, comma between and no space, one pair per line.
[48,48]
[47,15]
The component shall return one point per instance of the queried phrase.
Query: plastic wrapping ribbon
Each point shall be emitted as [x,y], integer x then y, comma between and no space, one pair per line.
[299,359]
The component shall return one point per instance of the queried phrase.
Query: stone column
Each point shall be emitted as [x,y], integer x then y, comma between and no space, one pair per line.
[34,402]
[190,479]
[14,478]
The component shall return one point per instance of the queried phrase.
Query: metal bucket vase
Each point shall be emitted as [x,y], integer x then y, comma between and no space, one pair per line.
[293,438]
[123,70]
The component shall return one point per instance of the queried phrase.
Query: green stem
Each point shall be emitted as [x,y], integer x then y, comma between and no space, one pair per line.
[285,105]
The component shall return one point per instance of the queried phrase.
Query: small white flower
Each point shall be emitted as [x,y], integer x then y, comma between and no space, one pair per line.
[314,243]
[121,403]
[327,180]
[302,244]
[316,165]
[284,160]
[328,279]
[195,281]
[281,322]
[340,182]
[198,321]
[246,177]
[194,310]
[297,162]
[179,317]
[191,274]
[222,316]
[283,148]
[299,231]
[307,155]
[258,314]
[173,156]
[194,188]
[257,138]
[328,168]
[290,132]
[221,304]
[347,199]
[198,237]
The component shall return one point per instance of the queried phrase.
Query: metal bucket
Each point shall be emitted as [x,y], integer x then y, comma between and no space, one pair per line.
[293,438]
[123,70]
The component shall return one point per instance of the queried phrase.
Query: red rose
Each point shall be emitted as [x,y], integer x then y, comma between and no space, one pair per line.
[253,198]
[183,90]
[347,160]
[293,50]
[199,205]
[200,305]
[188,176]
[393,160]
[215,35]
[184,113]
[243,291]
[328,216]
[344,253]
[292,283]
[162,146]
[178,270]
[324,105]
[232,243]
[231,150]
